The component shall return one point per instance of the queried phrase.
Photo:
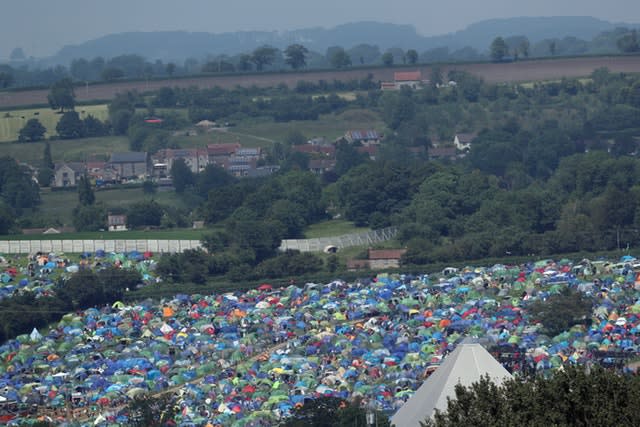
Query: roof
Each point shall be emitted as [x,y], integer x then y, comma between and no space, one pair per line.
[465,365]
[435,152]
[386,253]
[129,157]
[322,164]
[74,166]
[407,76]
[359,135]
[222,149]
[371,150]
[328,150]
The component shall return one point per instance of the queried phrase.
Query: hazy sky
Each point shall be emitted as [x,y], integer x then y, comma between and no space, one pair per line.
[42,27]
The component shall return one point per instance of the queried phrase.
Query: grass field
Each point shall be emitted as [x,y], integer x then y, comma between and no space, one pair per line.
[261,132]
[67,150]
[334,227]
[12,121]
[60,204]
[329,126]
[253,132]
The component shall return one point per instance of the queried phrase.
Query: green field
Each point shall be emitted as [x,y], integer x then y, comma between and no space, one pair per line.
[261,132]
[60,204]
[12,121]
[66,150]
[328,126]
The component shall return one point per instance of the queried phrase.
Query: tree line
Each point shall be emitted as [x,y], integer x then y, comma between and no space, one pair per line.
[296,56]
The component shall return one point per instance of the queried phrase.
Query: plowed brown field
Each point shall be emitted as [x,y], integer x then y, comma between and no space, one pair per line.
[523,71]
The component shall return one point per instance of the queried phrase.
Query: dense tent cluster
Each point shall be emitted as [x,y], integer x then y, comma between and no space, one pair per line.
[245,358]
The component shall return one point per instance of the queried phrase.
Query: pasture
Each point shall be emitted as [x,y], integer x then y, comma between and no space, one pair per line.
[60,204]
[70,150]
[11,121]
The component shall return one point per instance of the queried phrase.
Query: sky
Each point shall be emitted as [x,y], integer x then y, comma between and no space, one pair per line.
[42,27]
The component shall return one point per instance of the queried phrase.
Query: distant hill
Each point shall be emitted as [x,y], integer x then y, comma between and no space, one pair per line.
[179,45]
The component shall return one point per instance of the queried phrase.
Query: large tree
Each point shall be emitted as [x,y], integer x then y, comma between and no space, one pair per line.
[264,55]
[387,59]
[571,397]
[296,56]
[499,49]
[86,196]
[629,42]
[338,57]
[412,56]
[333,412]
[33,130]
[70,126]
[181,176]
[61,95]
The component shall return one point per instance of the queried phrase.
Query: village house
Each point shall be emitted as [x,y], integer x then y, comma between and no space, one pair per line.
[101,173]
[67,174]
[195,158]
[412,79]
[219,154]
[117,222]
[315,150]
[439,153]
[378,259]
[320,166]
[130,165]
[364,137]
[369,150]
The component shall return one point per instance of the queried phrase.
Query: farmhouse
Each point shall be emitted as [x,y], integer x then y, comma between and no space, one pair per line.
[67,174]
[364,137]
[195,158]
[131,164]
[412,79]
[377,259]
[437,153]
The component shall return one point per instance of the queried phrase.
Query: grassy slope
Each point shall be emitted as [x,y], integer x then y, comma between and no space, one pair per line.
[10,126]
[67,150]
[60,204]
[253,132]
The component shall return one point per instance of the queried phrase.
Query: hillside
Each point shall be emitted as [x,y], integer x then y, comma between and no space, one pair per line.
[179,45]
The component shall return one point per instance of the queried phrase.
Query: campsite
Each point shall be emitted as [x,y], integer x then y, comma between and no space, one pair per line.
[362,226]
[240,358]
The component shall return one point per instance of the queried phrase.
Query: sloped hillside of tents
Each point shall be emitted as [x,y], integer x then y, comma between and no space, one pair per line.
[465,365]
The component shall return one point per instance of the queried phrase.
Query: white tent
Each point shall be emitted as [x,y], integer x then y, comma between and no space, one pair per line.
[35,335]
[465,365]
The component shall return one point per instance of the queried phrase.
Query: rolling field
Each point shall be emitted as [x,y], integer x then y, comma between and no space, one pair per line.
[60,204]
[11,121]
[521,71]
[65,150]
[249,133]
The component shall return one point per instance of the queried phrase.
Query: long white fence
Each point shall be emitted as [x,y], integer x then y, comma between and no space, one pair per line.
[79,246]
[344,241]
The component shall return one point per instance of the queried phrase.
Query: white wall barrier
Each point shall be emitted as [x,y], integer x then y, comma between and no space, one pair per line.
[344,241]
[80,246]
